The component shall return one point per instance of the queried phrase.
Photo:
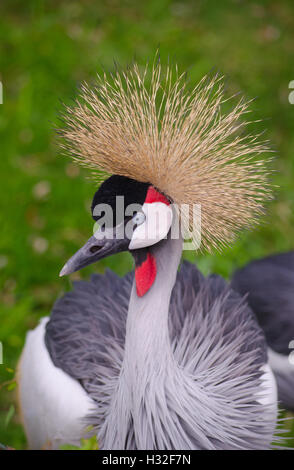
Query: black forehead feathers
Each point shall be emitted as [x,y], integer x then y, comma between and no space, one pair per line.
[132,190]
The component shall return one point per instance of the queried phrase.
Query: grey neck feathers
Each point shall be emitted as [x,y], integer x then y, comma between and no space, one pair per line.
[147,333]
[148,359]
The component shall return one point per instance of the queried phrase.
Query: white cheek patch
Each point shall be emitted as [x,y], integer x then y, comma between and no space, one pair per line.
[156,226]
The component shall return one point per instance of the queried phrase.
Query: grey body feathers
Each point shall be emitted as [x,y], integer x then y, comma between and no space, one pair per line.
[269,285]
[218,350]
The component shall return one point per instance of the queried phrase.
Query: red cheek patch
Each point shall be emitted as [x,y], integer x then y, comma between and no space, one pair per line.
[145,274]
[154,196]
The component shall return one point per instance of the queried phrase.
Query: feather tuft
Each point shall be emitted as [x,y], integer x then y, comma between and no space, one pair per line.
[147,125]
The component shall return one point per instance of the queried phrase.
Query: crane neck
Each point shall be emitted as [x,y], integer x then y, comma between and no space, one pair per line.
[147,331]
[148,359]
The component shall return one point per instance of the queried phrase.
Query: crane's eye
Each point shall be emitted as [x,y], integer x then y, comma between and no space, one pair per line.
[138,219]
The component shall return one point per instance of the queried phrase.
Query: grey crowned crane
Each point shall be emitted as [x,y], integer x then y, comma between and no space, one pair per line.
[161,358]
[269,286]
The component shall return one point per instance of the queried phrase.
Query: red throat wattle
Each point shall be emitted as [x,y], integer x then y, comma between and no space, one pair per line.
[145,274]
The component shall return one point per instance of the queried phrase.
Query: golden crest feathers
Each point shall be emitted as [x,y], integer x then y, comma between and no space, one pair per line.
[147,125]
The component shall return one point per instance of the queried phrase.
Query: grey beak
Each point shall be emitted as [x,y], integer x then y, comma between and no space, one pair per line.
[94,250]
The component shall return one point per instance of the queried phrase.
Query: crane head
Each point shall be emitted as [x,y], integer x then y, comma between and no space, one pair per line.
[130,216]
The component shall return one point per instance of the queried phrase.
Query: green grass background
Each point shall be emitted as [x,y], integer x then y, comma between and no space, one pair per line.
[46,49]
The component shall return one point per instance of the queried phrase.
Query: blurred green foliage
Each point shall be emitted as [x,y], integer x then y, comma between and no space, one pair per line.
[86,444]
[46,49]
